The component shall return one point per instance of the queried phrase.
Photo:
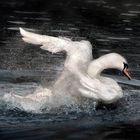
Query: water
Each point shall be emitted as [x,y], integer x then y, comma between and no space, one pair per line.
[111,26]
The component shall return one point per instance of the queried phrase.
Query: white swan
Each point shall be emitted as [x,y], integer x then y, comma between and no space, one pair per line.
[86,79]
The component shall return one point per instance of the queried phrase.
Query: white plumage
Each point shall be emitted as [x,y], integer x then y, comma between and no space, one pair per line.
[79,63]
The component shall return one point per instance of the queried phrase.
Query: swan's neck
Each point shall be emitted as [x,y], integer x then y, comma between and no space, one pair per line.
[105,62]
[96,69]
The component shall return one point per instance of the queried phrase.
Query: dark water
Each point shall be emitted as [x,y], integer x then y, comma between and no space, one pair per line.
[110,25]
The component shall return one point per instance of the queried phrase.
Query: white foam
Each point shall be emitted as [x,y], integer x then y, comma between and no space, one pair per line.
[32,102]
[33,98]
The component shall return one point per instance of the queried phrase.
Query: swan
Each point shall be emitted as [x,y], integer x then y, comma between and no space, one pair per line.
[82,74]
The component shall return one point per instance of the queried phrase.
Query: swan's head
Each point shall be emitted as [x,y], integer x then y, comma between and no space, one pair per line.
[125,71]
[120,63]
[111,60]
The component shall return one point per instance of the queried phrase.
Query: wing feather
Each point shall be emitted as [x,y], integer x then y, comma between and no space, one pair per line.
[53,44]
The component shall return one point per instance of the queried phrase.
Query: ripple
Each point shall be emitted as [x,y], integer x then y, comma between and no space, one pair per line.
[60,31]
[128,29]
[12,16]
[128,4]
[104,50]
[29,12]
[61,24]
[126,20]
[40,18]
[79,38]
[110,7]
[124,80]
[17,29]
[13,28]
[96,1]
[134,12]
[129,14]
[17,22]
[74,29]
[19,73]
[118,38]
[102,40]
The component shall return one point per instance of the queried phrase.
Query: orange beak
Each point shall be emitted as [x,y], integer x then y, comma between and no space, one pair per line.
[126,73]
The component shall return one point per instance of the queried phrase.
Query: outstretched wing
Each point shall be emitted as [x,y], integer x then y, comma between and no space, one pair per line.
[49,43]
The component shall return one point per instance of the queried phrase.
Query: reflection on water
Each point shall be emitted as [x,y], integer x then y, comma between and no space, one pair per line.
[111,26]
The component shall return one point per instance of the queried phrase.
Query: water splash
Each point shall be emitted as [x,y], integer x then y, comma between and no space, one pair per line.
[39,100]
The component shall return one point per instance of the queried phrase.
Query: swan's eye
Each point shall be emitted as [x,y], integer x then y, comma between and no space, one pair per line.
[125,66]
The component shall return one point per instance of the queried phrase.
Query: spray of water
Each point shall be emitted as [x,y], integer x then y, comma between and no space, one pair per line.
[37,98]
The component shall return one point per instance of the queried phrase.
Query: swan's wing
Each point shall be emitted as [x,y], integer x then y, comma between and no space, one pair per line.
[88,94]
[89,87]
[49,43]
